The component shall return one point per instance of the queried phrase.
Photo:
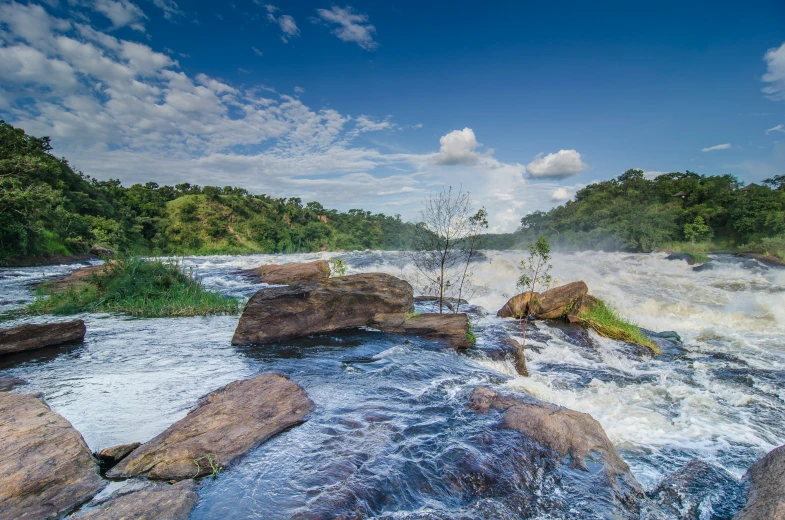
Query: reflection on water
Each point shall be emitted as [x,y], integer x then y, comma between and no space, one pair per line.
[391,436]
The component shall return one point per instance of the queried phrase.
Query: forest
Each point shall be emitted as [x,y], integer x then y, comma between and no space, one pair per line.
[47,208]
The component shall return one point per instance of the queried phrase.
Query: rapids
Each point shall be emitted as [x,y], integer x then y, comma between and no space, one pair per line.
[391,436]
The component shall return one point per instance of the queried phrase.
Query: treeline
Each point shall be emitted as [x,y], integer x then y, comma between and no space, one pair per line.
[46,208]
[674,210]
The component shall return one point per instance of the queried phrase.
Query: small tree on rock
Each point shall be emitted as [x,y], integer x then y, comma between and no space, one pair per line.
[535,275]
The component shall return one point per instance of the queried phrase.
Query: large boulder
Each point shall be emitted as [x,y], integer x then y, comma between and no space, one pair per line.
[34,335]
[452,329]
[291,274]
[226,424]
[550,304]
[518,306]
[46,469]
[766,495]
[280,313]
[156,501]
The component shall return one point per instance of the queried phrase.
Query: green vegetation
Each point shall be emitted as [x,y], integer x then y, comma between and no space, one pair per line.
[470,333]
[674,211]
[609,324]
[137,287]
[215,468]
[337,267]
[46,208]
[535,275]
[412,315]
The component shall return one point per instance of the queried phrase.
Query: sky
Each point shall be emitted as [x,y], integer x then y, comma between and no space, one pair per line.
[377,105]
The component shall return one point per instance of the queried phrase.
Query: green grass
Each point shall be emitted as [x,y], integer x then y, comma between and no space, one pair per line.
[470,334]
[698,258]
[143,288]
[609,324]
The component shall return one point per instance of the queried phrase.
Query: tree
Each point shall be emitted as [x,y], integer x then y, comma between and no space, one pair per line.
[473,243]
[535,274]
[697,230]
[444,223]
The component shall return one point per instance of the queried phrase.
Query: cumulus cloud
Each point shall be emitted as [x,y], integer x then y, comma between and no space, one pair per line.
[559,165]
[778,128]
[775,73]
[458,147]
[560,195]
[285,22]
[121,13]
[352,27]
[723,146]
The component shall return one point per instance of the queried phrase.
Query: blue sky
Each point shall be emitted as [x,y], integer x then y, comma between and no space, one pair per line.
[376,104]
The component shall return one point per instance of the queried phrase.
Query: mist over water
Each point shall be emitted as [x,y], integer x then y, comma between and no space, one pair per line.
[391,435]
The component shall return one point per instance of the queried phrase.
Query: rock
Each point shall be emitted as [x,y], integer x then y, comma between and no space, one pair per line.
[581,305]
[102,251]
[448,302]
[226,424]
[9,382]
[708,266]
[518,306]
[766,495]
[554,302]
[450,328]
[33,336]
[574,436]
[292,274]
[681,256]
[280,313]
[109,457]
[698,486]
[156,501]
[46,469]
[79,278]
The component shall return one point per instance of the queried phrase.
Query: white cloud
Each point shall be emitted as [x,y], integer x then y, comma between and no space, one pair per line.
[559,165]
[775,73]
[285,22]
[723,146]
[352,27]
[299,90]
[257,51]
[169,7]
[121,13]
[368,124]
[458,147]
[778,128]
[560,195]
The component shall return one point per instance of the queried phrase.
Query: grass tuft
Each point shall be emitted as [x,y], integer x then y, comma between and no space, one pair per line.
[143,288]
[609,324]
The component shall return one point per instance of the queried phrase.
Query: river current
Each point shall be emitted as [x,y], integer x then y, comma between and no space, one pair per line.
[391,435]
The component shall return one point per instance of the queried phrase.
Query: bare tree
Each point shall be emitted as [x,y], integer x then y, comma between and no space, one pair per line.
[471,245]
[444,225]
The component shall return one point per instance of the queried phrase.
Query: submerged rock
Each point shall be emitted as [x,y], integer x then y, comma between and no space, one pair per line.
[156,501]
[46,469]
[226,424]
[33,336]
[766,495]
[10,382]
[280,313]
[450,328]
[291,274]
[109,457]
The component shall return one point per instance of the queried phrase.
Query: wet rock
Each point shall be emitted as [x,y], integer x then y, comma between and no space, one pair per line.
[574,436]
[102,251]
[33,336]
[109,457]
[766,495]
[291,274]
[449,328]
[280,313]
[226,424]
[697,487]
[767,260]
[708,266]
[156,501]
[554,302]
[517,306]
[581,305]
[681,256]
[9,382]
[46,469]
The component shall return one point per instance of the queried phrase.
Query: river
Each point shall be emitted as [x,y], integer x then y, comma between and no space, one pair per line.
[391,435]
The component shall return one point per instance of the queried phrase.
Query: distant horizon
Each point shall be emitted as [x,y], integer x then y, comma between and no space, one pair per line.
[375,106]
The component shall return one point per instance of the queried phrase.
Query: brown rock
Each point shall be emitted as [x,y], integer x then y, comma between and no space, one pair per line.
[766,495]
[79,278]
[46,468]
[114,454]
[226,424]
[280,313]
[553,303]
[450,328]
[292,274]
[33,336]
[157,501]
[102,251]
[518,306]
[581,305]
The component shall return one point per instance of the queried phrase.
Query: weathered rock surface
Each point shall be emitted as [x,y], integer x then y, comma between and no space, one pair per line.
[450,328]
[33,335]
[574,436]
[45,466]
[114,454]
[517,306]
[156,501]
[226,424]
[766,495]
[581,305]
[554,302]
[102,251]
[291,274]
[280,313]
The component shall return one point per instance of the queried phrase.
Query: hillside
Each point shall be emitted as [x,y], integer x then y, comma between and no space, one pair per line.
[48,209]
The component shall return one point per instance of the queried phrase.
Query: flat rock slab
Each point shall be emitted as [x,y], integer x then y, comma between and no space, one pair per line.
[155,502]
[33,336]
[281,313]
[46,469]
[226,424]
[449,328]
[766,495]
[291,274]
